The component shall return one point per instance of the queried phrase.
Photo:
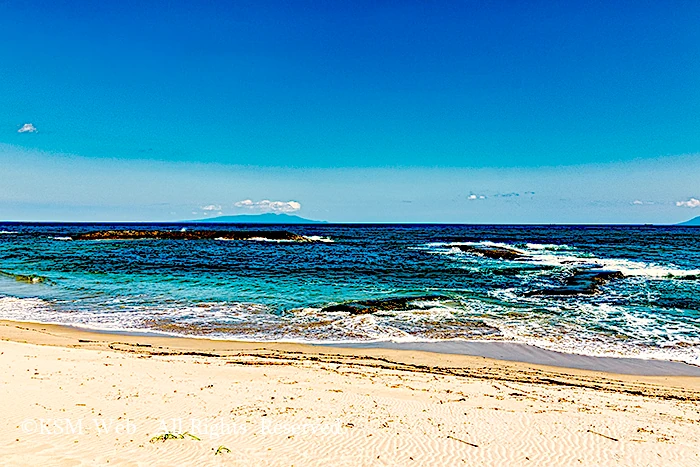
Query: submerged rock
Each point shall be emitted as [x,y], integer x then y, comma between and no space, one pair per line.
[383,304]
[581,282]
[29,279]
[275,235]
[687,277]
[492,252]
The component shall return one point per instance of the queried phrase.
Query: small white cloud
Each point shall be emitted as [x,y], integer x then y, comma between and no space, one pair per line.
[637,202]
[27,128]
[474,197]
[269,206]
[691,203]
[211,207]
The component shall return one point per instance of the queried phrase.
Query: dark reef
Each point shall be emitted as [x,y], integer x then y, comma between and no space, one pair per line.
[492,252]
[29,279]
[191,235]
[383,304]
[581,282]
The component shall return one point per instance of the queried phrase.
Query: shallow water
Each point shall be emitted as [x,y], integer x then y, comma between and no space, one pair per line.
[271,290]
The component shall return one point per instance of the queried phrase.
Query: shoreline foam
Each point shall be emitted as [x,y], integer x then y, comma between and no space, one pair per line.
[496,356]
[517,352]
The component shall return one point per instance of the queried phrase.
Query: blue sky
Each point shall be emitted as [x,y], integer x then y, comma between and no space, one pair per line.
[374,111]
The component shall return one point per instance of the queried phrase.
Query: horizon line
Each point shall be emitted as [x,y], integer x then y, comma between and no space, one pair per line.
[329,223]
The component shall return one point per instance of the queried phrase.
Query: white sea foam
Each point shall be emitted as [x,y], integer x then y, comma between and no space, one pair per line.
[564,256]
[26,309]
[7,232]
[646,338]
[547,246]
[255,239]
[273,240]
[479,244]
[625,266]
[318,238]
[312,238]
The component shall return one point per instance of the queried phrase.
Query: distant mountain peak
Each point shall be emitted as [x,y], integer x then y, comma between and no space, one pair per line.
[268,218]
[692,222]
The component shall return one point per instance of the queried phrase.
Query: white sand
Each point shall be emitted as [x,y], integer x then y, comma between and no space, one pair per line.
[282,409]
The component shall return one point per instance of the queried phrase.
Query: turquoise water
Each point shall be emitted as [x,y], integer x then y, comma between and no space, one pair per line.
[267,290]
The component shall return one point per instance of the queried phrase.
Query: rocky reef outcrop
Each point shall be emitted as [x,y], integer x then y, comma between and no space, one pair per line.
[360,307]
[29,279]
[581,282]
[492,252]
[274,235]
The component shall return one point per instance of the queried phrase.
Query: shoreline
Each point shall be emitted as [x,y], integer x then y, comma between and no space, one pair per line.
[504,351]
[497,366]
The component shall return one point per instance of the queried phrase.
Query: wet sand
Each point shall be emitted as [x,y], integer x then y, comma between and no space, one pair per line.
[525,353]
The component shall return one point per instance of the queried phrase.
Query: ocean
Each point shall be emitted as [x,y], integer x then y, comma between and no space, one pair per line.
[621,291]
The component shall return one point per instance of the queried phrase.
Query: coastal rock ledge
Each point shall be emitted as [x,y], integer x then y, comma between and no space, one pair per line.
[273,235]
[361,307]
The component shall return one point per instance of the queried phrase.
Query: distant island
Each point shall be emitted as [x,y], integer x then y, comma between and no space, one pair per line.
[692,222]
[269,218]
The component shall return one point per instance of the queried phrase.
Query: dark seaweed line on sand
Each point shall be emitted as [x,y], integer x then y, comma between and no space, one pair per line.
[534,376]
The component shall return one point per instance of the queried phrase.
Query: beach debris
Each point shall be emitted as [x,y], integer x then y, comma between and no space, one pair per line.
[604,436]
[462,441]
[222,450]
[169,435]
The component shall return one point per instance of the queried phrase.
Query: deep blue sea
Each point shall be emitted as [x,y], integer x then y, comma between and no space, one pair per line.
[274,290]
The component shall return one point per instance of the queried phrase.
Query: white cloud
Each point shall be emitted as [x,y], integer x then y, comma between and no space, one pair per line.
[269,206]
[474,197]
[211,207]
[691,203]
[27,128]
[639,202]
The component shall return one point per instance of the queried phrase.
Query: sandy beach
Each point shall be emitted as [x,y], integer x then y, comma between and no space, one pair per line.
[74,397]
[406,233]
